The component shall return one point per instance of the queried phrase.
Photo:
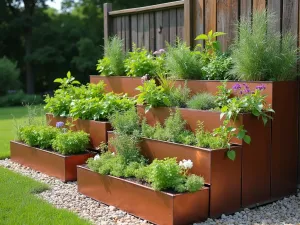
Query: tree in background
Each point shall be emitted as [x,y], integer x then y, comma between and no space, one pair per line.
[46,43]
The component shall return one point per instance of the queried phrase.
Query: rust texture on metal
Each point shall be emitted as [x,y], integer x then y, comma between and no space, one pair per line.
[222,174]
[50,163]
[284,139]
[155,206]
[256,157]
[96,129]
[119,84]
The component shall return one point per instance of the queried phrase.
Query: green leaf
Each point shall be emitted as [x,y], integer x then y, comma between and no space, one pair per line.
[75,82]
[58,80]
[241,134]
[69,74]
[231,154]
[247,139]
[265,120]
[255,112]
[201,37]
[217,34]
[210,33]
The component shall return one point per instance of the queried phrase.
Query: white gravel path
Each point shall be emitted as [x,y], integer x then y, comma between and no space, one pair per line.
[65,195]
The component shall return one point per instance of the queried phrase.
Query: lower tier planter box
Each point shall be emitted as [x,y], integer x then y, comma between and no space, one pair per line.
[50,163]
[158,207]
[118,84]
[96,129]
[222,174]
[256,158]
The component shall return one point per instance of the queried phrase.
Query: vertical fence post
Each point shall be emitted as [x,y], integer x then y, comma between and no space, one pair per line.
[188,20]
[107,7]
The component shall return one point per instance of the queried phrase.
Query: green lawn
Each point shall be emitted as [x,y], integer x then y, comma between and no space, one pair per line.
[7,116]
[18,205]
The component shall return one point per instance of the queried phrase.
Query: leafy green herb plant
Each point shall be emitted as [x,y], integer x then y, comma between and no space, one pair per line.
[112,63]
[139,63]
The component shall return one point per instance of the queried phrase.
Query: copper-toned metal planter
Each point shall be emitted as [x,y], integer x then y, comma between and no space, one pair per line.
[155,206]
[222,174]
[50,163]
[119,84]
[96,129]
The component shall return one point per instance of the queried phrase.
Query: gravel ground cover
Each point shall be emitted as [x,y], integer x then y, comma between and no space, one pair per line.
[65,195]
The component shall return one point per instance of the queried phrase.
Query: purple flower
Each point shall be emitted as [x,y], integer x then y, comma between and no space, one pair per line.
[145,78]
[236,87]
[60,124]
[246,89]
[260,87]
[159,52]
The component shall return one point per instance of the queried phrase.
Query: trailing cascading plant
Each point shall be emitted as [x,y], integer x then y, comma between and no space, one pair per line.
[244,101]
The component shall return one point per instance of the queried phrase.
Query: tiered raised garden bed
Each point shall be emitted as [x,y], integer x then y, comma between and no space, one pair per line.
[221,174]
[284,99]
[142,201]
[48,162]
[96,129]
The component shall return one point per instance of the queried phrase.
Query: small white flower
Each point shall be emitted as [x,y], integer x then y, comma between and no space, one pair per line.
[113,153]
[96,157]
[186,164]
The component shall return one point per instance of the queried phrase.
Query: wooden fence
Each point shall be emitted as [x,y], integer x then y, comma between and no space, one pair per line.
[152,26]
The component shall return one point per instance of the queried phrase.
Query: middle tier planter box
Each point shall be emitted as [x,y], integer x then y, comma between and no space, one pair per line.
[256,157]
[118,84]
[48,162]
[222,174]
[96,129]
[155,206]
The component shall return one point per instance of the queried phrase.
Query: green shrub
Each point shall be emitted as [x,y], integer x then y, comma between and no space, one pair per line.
[206,139]
[152,95]
[9,75]
[112,63]
[179,96]
[172,130]
[100,108]
[38,136]
[101,163]
[126,122]
[182,63]
[132,168]
[202,101]
[218,68]
[60,104]
[19,98]
[139,63]
[194,183]
[260,53]
[71,143]
[165,174]
[128,147]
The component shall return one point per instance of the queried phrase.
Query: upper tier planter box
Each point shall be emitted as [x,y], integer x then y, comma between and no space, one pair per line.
[222,174]
[158,207]
[96,129]
[118,84]
[50,163]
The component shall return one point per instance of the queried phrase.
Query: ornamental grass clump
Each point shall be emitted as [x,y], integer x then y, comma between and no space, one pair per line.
[260,53]
[112,63]
[202,101]
[182,63]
